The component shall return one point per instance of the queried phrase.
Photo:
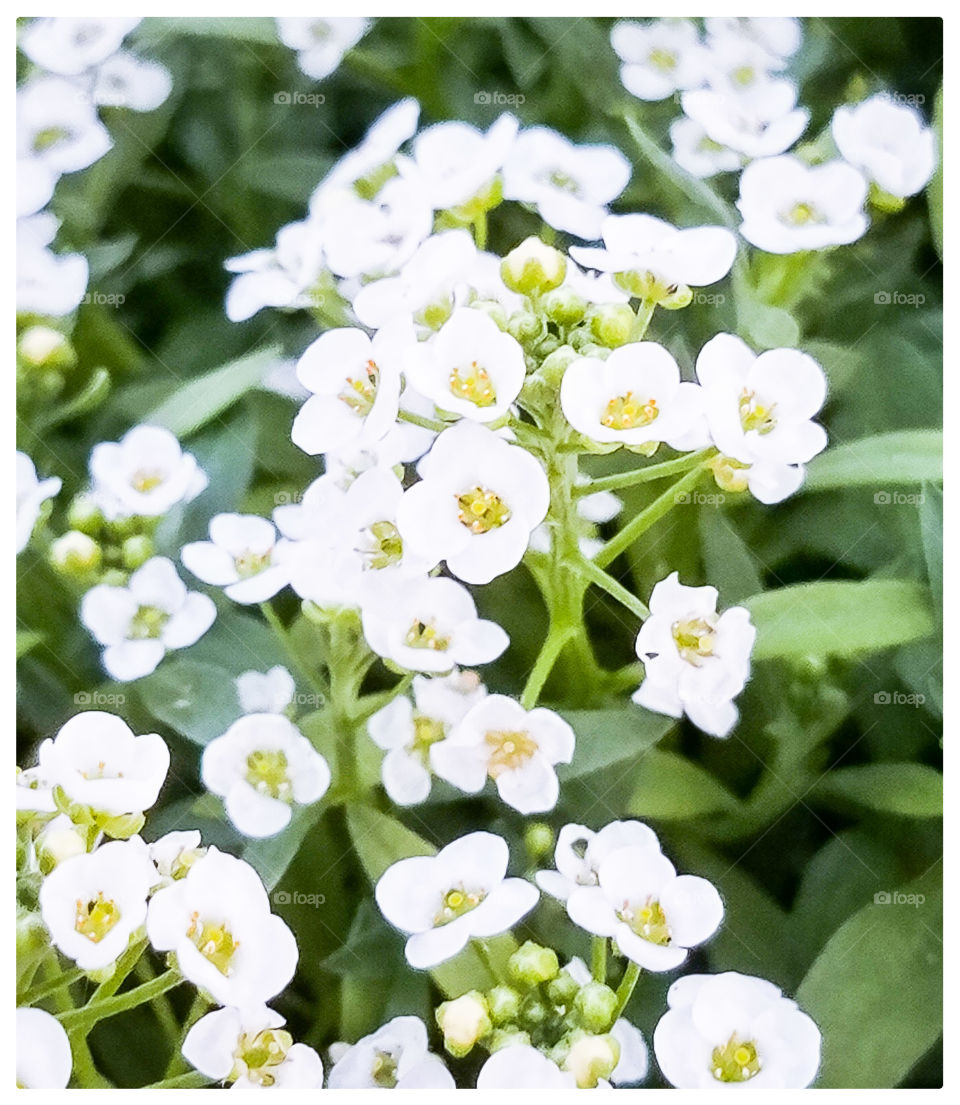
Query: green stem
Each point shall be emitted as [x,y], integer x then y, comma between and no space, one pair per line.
[286,640]
[124,965]
[644,315]
[483,951]
[549,652]
[598,959]
[613,588]
[162,1008]
[79,1021]
[625,989]
[43,989]
[177,1064]
[425,423]
[192,1080]
[619,480]
[370,704]
[647,517]
[480,229]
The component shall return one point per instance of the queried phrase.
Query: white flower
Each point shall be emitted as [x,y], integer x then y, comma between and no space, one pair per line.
[695,151]
[92,904]
[431,626]
[34,792]
[261,766]
[888,142]
[423,291]
[644,244]
[515,747]
[659,57]
[695,660]
[360,167]
[356,388]
[579,852]
[758,129]
[268,692]
[735,1029]
[406,730]
[174,853]
[31,495]
[321,43]
[396,1056]
[248,1048]
[779,35]
[71,45]
[634,397]
[138,623]
[455,161]
[446,899]
[58,126]
[653,913]
[57,841]
[100,763]
[44,1060]
[522,1067]
[145,473]
[131,82]
[569,185]
[634,1060]
[239,557]
[789,206]
[280,277]
[48,283]
[741,69]
[476,504]
[218,922]
[35,184]
[759,410]
[470,367]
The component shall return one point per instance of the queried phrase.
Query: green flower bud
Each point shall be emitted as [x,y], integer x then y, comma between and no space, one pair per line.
[534,1012]
[508,1036]
[532,964]
[538,839]
[85,515]
[137,550]
[533,268]
[45,348]
[675,298]
[591,1058]
[611,324]
[56,845]
[114,577]
[729,474]
[595,1005]
[33,940]
[564,307]
[547,345]
[563,989]
[463,1022]
[885,203]
[557,363]
[492,309]
[504,1004]
[76,554]
[524,326]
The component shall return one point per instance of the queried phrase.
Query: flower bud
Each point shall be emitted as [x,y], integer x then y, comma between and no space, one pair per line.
[563,989]
[493,309]
[538,839]
[137,550]
[557,363]
[85,515]
[463,1022]
[524,326]
[532,964]
[611,324]
[534,1012]
[730,474]
[591,1058]
[675,298]
[564,307]
[44,347]
[504,1004]
[510,1036]
[56,845]
[533,268]
[76,554]
[595,1005]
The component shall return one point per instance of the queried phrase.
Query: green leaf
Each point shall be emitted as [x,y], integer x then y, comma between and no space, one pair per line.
[271,856]
[935,187]
[198,401]
[607,737]
[197,699]
[910,790]
[259,30]
[728,563]
[931,536]
[875,991]
[27,640]
[839,618]
[902,457]
[671,787]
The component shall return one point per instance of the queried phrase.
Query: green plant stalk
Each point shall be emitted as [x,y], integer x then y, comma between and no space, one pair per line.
[286,640]
[348,663]
[612,587]
[423,422]
[625,989]
[598,959]
[178,1065]
[43,989]
[191,1080]
[551,649]
[124,965]
[78,1022]
[619,480]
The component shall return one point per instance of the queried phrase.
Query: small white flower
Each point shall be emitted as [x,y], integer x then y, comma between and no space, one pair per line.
[34,792]
[516,748]
[240,557]
[139,623]
[734,1029]
[321,43]
[261,766]
[35,184]
[522,1067]
[579,852]
[741,69]
[789,206]
[248,1048]
[779,35]
[406,730]
[569,185]
[92,904]
[476,504]
[356,388]
[100,763]
[634,397]
[653,914]
[44,1060]
[48,283]
[174,853]
[280,277]
[696,661]
[660,57]
[762,128]
[445,900]
[760,410]
[888,142]
[360,167]
[32,493]
[70,45]
[396,1056]
[145,473]
[58,126]
[644,244]
[455,161]
[470,367]
[695,151]
[268,692]
[431,626]
[218,922]
[131,82]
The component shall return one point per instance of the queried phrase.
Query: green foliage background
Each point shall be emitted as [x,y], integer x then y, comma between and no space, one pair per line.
[825,795]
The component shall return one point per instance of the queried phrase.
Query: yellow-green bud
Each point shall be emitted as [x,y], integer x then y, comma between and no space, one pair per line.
[563,989]
[137,550]
[532,964]
[564,306]
[85,515]
[675,298]
[509,1036]
[557,363]
[885,202]
[538,839]
[595,1005]
[729,474]
[56,845]
[591,1058]
[463,1022]
[76,554]
[44,347]
[492,309]
[611,324]
[434,315]
[533,268]
[524,326]
[534,1012]
[504,1004]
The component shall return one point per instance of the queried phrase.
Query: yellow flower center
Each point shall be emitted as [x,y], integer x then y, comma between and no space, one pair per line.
[566,183]
[147,624]
[96,917]
[801,214]
[664,60]
[509,750]
[146,479]
[474,385]
[425,635]
[257,1053]
[48,137]
[384,1070]
[383,547]
[695,639]
[426,731]
[456,903]
[267,774]
[214,941]
[754,415]
[482,510]
[736,1061]
[625,412]
[744,75]
[647,921]
[360,394]
[250,563]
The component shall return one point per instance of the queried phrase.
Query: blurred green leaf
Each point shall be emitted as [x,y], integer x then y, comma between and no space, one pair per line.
[671,787]
[935,187]
[897,458]
[728,563]
[909,790]
[272,855]
[197,699]
[607,737]
[26,641]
